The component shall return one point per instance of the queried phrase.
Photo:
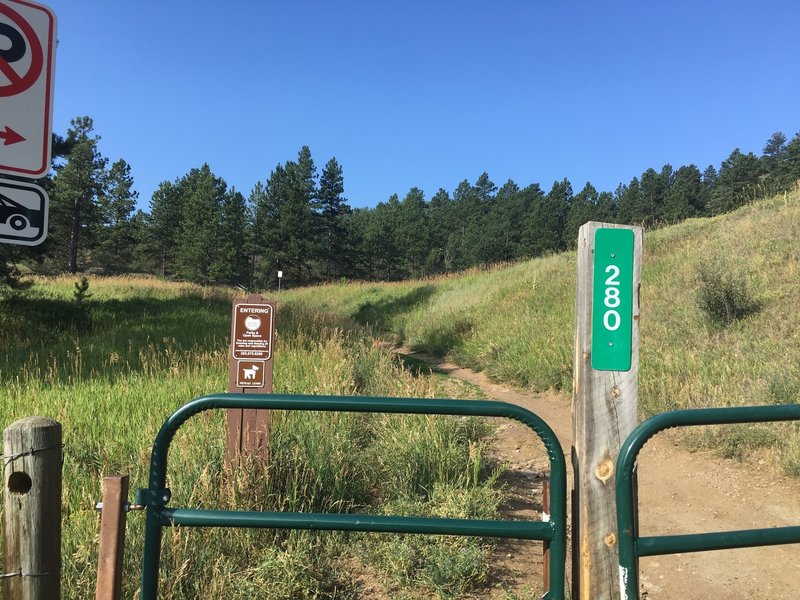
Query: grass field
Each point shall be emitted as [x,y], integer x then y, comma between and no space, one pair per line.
[515,322]
[111,368]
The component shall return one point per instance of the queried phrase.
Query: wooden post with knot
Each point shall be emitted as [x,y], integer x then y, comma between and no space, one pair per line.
[604,398]
[32,455]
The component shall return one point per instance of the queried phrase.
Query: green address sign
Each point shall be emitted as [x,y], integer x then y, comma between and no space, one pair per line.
[612,299]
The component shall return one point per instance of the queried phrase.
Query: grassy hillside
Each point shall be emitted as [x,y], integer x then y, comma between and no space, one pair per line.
[112,368]
[516,322]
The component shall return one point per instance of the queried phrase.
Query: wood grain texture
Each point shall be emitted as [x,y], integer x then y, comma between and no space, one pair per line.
[604,412]
[112,538]
[32,504]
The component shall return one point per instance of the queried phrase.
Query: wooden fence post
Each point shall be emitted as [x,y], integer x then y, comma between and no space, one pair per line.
[32,503]
[605,397]
[112,538]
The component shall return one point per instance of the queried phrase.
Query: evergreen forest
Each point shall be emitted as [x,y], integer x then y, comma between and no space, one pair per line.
[201,229]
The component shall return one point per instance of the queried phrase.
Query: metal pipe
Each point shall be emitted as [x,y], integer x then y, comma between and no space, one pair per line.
[630,548]
[156,496]
[186,517]
[718,540]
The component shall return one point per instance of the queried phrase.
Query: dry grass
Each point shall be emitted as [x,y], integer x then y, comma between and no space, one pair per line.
[113,370]
[516,321]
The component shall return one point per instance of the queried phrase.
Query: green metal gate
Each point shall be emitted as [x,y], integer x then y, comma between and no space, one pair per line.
[156,496]
[631,546]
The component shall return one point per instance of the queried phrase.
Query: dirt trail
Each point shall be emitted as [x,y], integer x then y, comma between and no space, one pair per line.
[679,492]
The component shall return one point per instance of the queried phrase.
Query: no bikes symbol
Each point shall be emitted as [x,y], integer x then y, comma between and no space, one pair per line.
[23,43]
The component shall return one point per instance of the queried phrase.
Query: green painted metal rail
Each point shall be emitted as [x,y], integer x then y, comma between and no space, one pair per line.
[155,497]
[631,546]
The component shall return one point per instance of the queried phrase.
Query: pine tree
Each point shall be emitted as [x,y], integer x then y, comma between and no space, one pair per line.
[442,221]
[333,207]
[115,248]
[503,227]
[196,251]
[581,209]
[257,206]
[686,196]
[411,233]
[477,245]
[792,176]
[736,182]
[653,190]
[289,223]
[630,205]
[528,199]
[380,240]
[76,217]
[775,162]
[230,260]
[164,226]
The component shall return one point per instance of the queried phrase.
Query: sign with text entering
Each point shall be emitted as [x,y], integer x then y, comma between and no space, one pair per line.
[612,299]
[252,332]
[27,59]
[250,371]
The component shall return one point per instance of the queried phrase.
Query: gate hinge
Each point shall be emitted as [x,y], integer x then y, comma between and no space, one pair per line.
[148,497]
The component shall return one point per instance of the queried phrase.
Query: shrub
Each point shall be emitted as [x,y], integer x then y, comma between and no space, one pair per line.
[724,297]
[783,389]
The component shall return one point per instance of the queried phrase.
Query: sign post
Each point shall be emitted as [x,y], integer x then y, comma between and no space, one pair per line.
[250,371]
[605,396]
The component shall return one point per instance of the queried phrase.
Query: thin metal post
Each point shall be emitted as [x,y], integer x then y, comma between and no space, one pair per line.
[546,543]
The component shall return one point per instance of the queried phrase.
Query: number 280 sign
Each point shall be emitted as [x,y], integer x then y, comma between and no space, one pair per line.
[612,299]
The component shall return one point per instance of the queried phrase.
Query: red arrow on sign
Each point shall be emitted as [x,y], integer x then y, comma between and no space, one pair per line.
[10,137]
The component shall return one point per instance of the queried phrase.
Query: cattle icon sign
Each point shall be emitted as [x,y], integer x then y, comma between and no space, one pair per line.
[23,213]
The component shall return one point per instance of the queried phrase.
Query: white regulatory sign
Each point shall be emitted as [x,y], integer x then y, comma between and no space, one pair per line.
[27,56]
[23,213]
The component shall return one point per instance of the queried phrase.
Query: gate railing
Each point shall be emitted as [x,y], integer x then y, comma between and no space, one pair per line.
[632,546]
[155,497]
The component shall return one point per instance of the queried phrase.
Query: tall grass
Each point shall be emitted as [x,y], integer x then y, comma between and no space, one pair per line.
[147,349]
[516,322]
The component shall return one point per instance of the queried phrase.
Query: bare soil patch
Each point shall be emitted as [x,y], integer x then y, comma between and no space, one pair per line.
[680,491]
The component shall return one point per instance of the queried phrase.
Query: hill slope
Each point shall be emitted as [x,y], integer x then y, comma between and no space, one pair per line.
[516,322]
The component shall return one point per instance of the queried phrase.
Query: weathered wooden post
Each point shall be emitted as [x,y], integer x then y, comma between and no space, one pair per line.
[605,396]
[112,538]
[32,503]
[250,371]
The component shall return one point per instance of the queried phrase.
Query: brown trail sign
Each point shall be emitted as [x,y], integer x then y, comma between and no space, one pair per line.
[250,371]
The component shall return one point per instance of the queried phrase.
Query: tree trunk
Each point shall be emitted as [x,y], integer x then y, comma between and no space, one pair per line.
[72,259]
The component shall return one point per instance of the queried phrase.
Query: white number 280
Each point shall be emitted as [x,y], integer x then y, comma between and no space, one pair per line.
[611,318]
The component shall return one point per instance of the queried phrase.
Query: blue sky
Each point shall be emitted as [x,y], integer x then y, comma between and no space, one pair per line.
[427,93]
